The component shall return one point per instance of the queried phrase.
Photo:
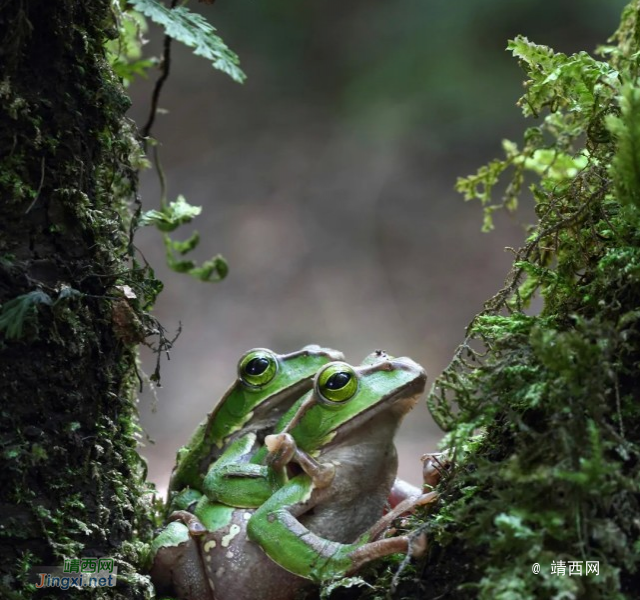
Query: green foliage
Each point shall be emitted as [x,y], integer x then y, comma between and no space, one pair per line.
[577,92]
[212,270]
[625,168]
[194,31]
[16,313]
[555,472]
[125,57]
[559,82]
[125,52]
[169,218]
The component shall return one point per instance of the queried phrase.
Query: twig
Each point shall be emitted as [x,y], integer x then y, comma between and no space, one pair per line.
[161,176]
[166,64]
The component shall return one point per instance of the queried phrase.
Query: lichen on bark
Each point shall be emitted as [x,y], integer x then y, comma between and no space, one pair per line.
[73,483]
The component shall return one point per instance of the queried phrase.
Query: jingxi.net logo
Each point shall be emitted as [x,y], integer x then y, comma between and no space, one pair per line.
[78,573]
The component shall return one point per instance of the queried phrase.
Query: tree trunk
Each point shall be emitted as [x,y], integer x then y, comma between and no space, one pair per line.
[71,480]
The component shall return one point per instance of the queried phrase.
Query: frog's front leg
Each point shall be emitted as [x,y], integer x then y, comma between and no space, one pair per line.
[284,450]
[234,481]
[177,566]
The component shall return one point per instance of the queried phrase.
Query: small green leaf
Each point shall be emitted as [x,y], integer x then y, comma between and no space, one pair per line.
[513,525]
[576,83]
[125,52]
[187,245]
[212,270]
[171,216]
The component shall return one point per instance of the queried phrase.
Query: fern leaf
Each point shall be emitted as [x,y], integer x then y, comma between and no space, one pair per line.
[195,31]
[15,313]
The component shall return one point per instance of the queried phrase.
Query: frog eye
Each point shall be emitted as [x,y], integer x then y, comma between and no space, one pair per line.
[337,383]
[257,367]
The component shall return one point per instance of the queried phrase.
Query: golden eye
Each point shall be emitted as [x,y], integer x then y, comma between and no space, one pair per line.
[258,367]
[337,382]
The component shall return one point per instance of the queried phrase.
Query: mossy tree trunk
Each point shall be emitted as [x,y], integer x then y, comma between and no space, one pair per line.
[71,477]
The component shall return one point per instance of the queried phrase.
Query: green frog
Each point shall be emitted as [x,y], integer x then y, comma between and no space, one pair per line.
[267,385]
[324,520]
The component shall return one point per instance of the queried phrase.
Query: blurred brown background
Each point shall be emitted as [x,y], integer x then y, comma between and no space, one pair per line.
[327,182]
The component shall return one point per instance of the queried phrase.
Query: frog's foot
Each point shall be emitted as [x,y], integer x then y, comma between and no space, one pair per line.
[192,523]
[282,448]
[373,550]
[413,545]
[400,491]
[405,506]
[434,466]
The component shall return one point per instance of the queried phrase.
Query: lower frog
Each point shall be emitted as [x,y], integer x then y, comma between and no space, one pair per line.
[324,521]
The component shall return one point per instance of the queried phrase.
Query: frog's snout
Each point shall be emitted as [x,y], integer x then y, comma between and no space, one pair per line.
[408,364]
[330,353]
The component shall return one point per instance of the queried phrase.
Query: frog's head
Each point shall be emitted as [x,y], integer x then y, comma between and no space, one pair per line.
[266,386]
[347,398]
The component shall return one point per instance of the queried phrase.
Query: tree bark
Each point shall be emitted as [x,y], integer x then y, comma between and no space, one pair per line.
[71,478]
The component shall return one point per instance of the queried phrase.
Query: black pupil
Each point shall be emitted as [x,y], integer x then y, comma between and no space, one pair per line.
[338,380]
[257,366]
